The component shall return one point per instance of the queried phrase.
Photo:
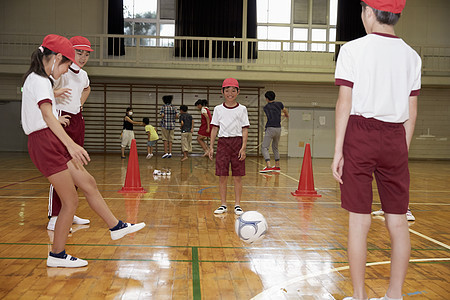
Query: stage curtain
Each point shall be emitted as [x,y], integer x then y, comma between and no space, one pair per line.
[349,25]
[116,46]
[206,18]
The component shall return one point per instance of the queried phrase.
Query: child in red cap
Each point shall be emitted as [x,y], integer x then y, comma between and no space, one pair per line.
[55,154]
[71,92]
[379,77]
[230,121]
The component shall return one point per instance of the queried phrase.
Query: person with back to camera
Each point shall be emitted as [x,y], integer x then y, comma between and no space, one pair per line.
[168,116]
[272,133]
[127,130]
[204,131]
[152,137]
[230,123]
[379,77]
[55,154]
[187,128]
[71,91]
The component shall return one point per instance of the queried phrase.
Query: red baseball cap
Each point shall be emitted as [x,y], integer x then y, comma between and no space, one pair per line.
[81,43]
[230,82]
[393,6]
[59,44]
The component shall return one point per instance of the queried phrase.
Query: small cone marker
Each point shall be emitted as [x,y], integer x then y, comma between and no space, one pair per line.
[133,177]
[306,183]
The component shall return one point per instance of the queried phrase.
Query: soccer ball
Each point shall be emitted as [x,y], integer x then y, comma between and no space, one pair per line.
[251,226]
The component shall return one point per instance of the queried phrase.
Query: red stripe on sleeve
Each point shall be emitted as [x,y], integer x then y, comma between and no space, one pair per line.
[44,101]
[415,93]
[343,82]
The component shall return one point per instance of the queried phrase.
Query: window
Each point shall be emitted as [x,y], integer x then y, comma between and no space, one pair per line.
[150,18]
[297,20]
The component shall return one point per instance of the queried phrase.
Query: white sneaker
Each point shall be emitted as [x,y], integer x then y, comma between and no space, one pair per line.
[68,262]
[130,228]
[378,212]
[169,155]
[410,216]
[165,155]
[238,210]
[80,221]
[222,209]
[150,155]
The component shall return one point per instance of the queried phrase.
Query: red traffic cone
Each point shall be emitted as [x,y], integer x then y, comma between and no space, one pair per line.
[133,177]
[306,183]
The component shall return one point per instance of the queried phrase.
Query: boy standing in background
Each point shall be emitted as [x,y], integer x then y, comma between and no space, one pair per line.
[187,128]
[168,116]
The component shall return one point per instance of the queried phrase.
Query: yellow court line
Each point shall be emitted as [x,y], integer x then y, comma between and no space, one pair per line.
[278,291]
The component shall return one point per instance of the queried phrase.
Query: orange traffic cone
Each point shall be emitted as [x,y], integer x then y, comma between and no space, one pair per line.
[306,183]
[133,177]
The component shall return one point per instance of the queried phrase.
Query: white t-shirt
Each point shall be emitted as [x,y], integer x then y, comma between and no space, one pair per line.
[383,72]
[230,120]
[35,89]
[76,82]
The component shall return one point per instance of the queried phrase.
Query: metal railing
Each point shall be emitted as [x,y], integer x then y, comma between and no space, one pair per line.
[211,53]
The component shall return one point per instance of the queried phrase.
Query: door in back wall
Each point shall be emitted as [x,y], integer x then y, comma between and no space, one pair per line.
[314,126]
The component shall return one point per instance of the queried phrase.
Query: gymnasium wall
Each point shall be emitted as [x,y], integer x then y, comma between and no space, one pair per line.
[430,140]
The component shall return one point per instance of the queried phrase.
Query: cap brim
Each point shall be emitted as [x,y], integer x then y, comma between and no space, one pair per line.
[84,48]
[72,59]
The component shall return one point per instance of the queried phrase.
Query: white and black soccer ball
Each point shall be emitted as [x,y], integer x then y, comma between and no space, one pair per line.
[251,226]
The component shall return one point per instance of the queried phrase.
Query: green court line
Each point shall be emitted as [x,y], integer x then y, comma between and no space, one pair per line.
[196,275]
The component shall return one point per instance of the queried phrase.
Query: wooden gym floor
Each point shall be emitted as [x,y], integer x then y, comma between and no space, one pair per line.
[185,252]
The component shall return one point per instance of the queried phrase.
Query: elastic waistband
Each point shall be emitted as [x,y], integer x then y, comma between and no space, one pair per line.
[63,112]
[37,132]
[356,118]
[230,137]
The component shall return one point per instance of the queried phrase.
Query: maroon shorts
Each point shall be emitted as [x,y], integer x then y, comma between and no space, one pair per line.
[76,127]
[228,152]
[47,152]
[375,147]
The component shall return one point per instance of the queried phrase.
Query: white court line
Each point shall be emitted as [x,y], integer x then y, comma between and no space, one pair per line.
[206,186]
[430,239]
[144,198]
[276,291]
[270,293]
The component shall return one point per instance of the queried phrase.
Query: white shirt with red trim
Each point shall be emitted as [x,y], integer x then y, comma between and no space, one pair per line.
[230,120]
[77,82]
[36,90]
[383,72]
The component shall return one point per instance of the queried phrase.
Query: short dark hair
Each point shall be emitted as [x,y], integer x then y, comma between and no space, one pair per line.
[202,102]
[223,89]
[167,99]
[184,108]
[270,95]
[146,121]
[129,108]
[384,17]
